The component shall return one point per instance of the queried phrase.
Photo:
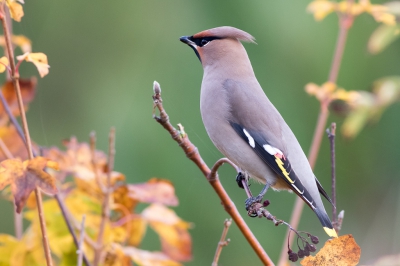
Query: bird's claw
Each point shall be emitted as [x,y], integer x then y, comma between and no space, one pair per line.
[252,200]
[239,178]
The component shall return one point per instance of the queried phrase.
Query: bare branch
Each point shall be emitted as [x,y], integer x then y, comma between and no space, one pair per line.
[222,242]
[192,153]
[331,135]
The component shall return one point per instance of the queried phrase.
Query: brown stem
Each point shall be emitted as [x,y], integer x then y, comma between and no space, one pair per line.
[15,80]
[192,153]
[345,23]
[222,242]
[331,135]
[106,203]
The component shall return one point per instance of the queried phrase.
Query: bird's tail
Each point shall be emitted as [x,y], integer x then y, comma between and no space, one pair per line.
[326,222]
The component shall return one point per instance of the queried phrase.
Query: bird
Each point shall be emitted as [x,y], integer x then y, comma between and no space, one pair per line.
[245,126]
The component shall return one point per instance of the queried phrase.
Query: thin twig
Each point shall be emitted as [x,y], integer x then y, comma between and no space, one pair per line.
[192,153]
[93,159]
[345,23]
[15,80]
[331,135]
[222,242]
[105,215]
[81,238]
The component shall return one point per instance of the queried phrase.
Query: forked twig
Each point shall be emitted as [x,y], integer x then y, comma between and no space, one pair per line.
[222,242]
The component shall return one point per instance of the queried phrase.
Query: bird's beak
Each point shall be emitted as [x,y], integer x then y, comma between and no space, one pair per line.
[187,40]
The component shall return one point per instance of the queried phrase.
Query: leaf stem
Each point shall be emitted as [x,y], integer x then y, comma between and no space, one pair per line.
[15,80]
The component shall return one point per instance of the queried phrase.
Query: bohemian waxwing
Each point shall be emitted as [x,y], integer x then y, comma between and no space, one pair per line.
[245,126]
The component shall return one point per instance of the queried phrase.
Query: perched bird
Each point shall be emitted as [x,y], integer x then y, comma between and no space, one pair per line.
[245,126]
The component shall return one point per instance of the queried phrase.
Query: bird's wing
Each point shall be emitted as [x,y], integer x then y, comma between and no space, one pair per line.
[275,159]
[323,192]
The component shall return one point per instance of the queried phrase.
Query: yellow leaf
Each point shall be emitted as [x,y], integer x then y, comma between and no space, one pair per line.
[16,10]
[24,177]
[341,251]
[39,60]
[23,42]
[8,245]
[3,64]
[321,8]
[176,241]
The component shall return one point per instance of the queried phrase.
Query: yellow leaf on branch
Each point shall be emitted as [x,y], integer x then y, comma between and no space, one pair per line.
[25,176]
[16,10]
[3,64]
[39,60]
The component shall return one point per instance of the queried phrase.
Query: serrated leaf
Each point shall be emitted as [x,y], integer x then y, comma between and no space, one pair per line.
[24,177]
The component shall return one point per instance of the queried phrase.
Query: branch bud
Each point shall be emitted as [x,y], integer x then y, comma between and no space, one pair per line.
[156,88]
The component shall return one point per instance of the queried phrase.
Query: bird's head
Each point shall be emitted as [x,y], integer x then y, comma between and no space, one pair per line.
[218,43]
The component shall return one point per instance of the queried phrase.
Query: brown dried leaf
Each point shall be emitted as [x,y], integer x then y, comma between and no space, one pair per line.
[341,251]
[24,177]
[154,191]
[13,142]
[28,90]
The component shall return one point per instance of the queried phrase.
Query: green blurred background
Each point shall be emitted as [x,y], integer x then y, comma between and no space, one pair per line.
[105,55]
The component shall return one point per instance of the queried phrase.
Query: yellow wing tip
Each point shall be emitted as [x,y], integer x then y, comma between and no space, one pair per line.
[330,232]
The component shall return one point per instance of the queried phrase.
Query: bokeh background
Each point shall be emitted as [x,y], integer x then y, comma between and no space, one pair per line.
[105,55]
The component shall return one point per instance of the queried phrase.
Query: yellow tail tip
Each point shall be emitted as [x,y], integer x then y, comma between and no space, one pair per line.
[330,232]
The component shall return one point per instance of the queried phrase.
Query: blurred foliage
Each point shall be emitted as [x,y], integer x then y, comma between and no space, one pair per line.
[105,56]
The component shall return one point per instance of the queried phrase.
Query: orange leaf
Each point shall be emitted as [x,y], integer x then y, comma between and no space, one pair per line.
[341,251]
[28,90]
[154,191]
[175,239]
[13,142]
[24,177]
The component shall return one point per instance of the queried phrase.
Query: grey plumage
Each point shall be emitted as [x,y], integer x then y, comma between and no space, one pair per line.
[244,125]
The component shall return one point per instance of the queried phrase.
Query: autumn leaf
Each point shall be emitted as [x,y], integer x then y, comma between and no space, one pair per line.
[144,257]
[19,40]
[175,239]
[39,60]
[341,251]
[16,10]
[28,90]
[154,191]
[3,64]
[25,176]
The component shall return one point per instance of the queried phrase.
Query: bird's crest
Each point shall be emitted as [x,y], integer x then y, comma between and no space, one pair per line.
[226,32]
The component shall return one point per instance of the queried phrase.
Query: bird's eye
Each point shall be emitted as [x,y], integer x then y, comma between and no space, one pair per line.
[204,42]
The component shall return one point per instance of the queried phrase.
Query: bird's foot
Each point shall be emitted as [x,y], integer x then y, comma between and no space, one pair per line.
[254,204]
[242,176]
